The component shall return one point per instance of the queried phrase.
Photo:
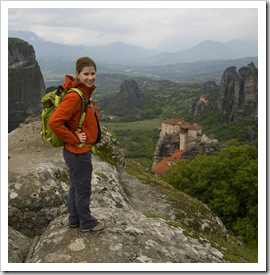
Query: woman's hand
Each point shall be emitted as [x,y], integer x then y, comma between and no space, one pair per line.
[82,137]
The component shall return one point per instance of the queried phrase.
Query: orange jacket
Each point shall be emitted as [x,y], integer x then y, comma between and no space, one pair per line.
[64,121]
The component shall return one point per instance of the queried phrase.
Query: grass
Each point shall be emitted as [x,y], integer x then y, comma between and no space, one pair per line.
[148,124]
[138,138]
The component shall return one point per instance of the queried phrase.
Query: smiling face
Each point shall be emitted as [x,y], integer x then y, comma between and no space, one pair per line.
[87,76]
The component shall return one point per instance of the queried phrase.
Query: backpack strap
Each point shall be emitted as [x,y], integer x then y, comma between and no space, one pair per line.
[58,93]
[84,107]
[83,114]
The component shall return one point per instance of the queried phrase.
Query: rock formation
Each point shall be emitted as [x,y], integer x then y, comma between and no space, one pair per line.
[25,82]
[206,146]
[124,102]
[166,145]
[209,92]
[144,223]
[238,96]
[235,100]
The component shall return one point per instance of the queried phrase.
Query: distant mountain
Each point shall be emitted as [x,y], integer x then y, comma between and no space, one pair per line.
[120,53]
[49,50]
[205,61]
[112,53]
[206,50]
[246,48]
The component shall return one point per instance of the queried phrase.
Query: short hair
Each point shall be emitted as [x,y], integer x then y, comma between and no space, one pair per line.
[85,62]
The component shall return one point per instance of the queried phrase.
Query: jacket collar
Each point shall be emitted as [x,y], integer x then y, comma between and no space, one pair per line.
[71,82]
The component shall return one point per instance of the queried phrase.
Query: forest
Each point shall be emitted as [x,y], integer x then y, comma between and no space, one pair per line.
[227,181]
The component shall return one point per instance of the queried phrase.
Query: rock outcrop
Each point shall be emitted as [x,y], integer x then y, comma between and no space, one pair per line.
[25,83]
[235,100]
[238,96]
[38,181]
[18,246]
[206,146]
[143,223]
[124,102]
[166,145]
[209,92]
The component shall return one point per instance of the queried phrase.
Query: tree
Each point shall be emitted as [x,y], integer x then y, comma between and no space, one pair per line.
[227,182]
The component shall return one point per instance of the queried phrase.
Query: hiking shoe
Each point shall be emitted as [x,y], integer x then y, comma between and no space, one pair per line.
[74,225]
[100,225]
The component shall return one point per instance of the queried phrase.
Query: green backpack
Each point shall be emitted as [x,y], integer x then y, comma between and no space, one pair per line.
[50,102]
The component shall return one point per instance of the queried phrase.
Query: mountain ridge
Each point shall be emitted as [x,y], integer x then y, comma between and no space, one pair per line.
[205,50]
[124,53]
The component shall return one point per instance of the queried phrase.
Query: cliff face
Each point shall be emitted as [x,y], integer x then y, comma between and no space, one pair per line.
[234,101]
[166,145]
[238,95]
[236,98]
[25,83]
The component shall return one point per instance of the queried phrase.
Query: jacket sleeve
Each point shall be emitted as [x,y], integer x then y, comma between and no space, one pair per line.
[64,113]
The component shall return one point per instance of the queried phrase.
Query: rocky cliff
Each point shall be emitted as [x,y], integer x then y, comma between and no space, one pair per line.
[238,97]
[235,100]
[25,82]
[150,223]
[124,102]
[166,145]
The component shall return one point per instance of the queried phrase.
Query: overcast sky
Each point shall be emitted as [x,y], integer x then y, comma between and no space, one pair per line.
[165,29]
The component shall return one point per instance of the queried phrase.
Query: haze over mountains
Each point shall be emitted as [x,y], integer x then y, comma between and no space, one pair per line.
[207,50]
[120,53]
[113,53]
[203,62]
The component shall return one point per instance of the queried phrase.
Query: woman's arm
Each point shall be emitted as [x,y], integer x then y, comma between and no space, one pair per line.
[64,121]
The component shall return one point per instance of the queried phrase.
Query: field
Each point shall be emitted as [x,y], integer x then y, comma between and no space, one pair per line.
[138,139]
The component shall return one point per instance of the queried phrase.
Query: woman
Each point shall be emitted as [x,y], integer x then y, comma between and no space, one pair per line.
[77,150]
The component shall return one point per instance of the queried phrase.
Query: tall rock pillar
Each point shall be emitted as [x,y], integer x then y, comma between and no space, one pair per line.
[25,83]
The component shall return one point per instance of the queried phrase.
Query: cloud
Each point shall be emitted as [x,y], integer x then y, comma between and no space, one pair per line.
[171,28]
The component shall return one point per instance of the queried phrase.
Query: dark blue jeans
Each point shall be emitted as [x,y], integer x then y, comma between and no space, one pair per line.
[80,166]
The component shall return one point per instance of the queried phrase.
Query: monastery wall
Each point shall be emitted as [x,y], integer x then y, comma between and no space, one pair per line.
[188,134]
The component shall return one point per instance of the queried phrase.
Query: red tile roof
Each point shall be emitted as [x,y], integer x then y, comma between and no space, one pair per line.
[183,124]
[172,121]
[162,166]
